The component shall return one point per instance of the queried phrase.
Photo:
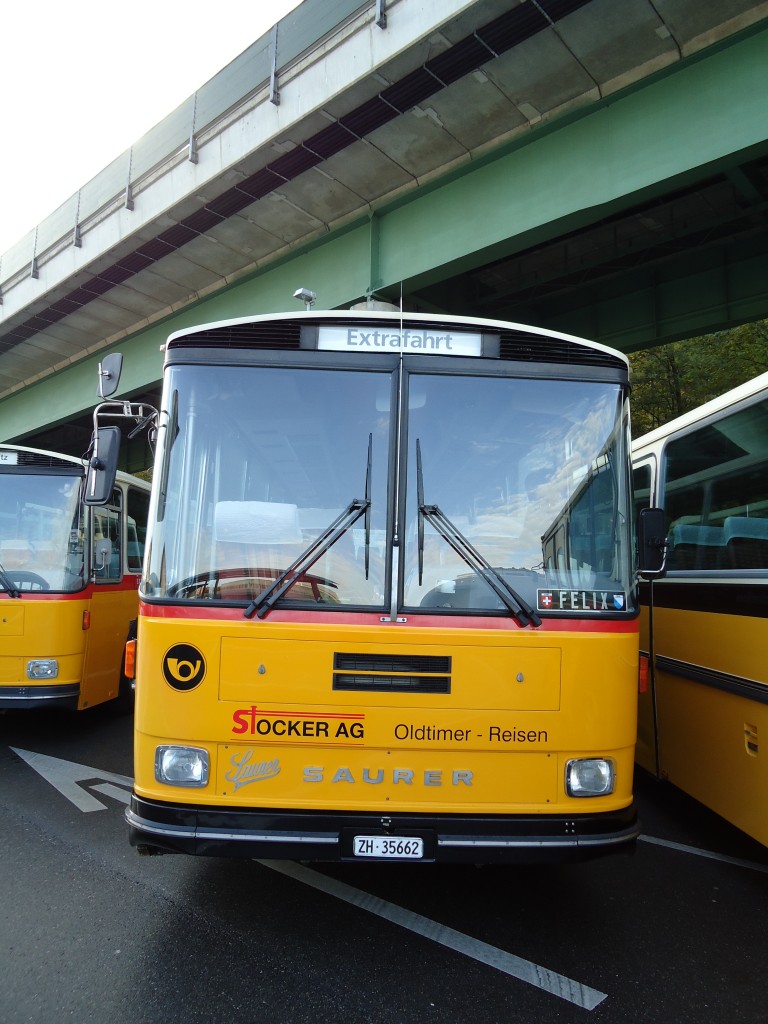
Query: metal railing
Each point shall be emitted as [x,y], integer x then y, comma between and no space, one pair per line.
[259,67]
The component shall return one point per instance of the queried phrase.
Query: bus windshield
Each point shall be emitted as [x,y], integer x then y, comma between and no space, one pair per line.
[531,473]
[41,531]
[257,462]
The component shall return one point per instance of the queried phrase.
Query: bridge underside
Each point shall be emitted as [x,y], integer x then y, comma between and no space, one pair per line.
[634,217]
[690,262]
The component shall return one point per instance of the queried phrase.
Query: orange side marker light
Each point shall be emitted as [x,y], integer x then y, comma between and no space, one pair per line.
[130,659]
[642,675]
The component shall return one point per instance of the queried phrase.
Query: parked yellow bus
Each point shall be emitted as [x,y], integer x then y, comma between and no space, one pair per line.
[389,605]
[704,718]
[68,582]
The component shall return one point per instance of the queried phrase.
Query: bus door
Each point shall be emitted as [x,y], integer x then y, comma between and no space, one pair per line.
[111,606]
[644,487]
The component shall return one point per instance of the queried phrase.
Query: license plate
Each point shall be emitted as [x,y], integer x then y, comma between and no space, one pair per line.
[390,847]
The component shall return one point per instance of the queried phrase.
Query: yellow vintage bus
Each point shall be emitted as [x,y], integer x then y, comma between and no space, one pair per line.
[389,605]
[68,582]
[704,717]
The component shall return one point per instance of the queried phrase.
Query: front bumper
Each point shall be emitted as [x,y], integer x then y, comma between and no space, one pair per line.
[65,695]
[156,827]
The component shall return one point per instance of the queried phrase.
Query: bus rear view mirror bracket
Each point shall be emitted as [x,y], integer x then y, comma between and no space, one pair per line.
[652,544]
[101,468]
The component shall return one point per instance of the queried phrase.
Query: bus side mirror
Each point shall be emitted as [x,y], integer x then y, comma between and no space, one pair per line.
[652,543]
[102,466]
[102,553]
[110,368]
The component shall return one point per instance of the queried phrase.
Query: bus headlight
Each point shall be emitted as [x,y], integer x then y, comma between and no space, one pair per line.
[42,668]
[589,776]
[181,766]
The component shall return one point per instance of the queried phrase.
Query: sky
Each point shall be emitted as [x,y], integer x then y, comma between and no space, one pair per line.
[82,80]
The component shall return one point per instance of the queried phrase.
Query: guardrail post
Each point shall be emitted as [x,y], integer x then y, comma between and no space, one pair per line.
[33,271]
[128,185]
[77,241]
[274,92]
[192,150]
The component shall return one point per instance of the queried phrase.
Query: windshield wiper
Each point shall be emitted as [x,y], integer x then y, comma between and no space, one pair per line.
[7,584]
[367,520]
[522,611]
[286,579]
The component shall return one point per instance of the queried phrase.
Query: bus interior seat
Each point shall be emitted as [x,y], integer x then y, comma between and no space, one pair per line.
[746,542]
[692,546]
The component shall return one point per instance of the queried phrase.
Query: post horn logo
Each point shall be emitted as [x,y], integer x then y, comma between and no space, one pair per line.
[183,667]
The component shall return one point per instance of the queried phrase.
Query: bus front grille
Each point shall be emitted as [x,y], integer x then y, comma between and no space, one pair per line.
[392,673]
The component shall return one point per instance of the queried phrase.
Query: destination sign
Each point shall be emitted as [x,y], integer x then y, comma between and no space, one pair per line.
[422,341]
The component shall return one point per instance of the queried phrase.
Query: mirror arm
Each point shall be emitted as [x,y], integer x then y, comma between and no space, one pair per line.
[656,574]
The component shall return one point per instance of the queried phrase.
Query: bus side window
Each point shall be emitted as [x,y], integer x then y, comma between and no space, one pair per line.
[106,546]
[641,486]
[716,493]
[694,543]
[137,513]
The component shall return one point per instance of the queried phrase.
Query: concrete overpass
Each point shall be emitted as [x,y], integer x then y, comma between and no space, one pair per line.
[597,166]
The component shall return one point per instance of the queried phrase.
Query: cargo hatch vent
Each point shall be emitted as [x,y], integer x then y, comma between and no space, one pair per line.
[392,673]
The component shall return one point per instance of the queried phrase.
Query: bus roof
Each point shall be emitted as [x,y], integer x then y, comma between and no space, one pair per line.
[77,463]
[372,315]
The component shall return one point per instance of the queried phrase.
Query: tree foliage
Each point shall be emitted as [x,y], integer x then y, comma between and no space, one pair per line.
[672,379]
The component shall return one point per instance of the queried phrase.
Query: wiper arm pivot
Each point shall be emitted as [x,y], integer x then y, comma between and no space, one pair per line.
[7,584]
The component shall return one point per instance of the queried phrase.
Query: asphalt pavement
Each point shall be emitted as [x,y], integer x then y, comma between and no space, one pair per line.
[91,931]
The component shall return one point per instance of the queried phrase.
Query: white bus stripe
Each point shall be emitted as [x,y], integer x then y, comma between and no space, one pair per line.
[524,970]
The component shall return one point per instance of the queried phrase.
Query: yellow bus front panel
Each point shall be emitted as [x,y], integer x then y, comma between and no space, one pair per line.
[64,651]
[286,729]
[42,645]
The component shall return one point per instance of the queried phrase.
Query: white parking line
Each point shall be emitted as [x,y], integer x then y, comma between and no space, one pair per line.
[524,970]
[121,795]
[750,864]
